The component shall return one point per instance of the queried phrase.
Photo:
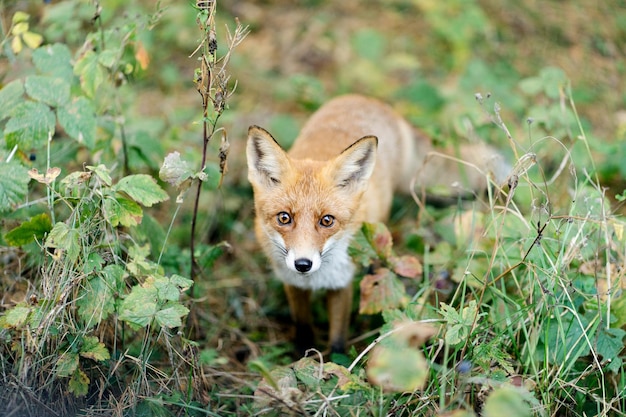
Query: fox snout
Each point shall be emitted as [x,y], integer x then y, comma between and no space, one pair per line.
[303,263]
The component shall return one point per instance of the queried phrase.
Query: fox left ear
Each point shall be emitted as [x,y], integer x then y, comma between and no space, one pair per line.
[266,159]
[354,166]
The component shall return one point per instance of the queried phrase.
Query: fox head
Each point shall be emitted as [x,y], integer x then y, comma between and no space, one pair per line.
[307,210]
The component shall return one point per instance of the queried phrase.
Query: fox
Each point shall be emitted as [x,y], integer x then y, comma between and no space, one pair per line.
[343,169]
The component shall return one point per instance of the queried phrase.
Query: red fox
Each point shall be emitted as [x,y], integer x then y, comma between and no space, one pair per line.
[341,171]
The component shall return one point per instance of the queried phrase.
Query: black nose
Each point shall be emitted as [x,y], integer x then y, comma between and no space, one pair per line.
[303,264]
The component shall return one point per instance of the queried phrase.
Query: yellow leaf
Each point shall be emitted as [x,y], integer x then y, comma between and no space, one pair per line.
[79,383]
[619,229]
[20,28]
[142,56]
[16,44]
[19,17]
[33,40]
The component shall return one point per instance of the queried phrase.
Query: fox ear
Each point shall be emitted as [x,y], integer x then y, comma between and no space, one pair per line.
[354,166]
[266,159]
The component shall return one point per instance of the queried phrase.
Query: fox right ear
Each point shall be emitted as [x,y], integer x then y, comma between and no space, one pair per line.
[353,168]
[266,159]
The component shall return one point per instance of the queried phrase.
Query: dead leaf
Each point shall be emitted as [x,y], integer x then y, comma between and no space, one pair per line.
[469,227]
[47,178]
[406,266]
[414,333]
[380,292]
[379,238]
[281,389]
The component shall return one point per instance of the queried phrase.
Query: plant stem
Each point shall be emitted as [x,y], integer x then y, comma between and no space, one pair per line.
[195,269]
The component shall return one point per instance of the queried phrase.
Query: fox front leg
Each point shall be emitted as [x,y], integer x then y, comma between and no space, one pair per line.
[339,308]
[300,305]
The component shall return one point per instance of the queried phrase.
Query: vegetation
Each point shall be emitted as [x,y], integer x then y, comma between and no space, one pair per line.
[131,281]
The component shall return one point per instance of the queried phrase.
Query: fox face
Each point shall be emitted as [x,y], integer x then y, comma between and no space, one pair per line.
[306,210]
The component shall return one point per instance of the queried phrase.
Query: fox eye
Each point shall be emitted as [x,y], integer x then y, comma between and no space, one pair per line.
[283,218]
[327,221]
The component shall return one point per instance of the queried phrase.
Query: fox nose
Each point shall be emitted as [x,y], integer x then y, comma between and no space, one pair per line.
[303,264]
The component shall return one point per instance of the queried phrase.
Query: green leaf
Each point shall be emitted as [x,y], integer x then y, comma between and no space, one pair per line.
[151,408]
[171,316]
[93,348]
[490,352]
[67,364]
[97,297]
[29,126]
[78,119]
[609,345]
[74,182]
[183,283]
[50,90]
[287,125]
[10,96]
[166,290]
[33,229]
[143,150]
[102,172]
[169,289]
[122,211]
[562,340]
[32,39]
[618,309]
[142,188]
[79,383]
[139,307]
[20,17]
[531,86]
[360,249]
[54,60]
[108,58]
[208,254]
[369,44]
[144,303]
[550,81]
[13,185]
[459,323]
[213,175]
[397,368]
[93,263]
[456,334]
[91,73]
[16,316]
[506,401]
[379,238]
[63,237]
[426,94]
